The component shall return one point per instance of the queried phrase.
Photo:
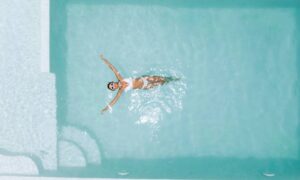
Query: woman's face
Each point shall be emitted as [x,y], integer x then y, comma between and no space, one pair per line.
[113,86]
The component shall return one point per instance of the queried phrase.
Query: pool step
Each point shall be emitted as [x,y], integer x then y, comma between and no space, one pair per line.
[70,155]
[17,165]
[76,148]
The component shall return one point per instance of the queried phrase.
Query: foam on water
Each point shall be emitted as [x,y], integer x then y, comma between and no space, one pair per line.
[168,97]
[151,105]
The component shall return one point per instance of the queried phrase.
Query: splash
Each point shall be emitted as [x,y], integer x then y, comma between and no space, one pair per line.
[153,104]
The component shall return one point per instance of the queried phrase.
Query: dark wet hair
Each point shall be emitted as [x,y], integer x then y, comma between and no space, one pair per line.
[108,84]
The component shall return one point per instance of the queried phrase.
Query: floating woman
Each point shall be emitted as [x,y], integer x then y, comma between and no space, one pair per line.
[144,82]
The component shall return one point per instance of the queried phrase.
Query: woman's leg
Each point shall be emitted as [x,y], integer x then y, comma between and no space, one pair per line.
[153,81]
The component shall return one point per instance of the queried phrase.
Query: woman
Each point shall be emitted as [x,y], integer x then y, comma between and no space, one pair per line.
[144,82]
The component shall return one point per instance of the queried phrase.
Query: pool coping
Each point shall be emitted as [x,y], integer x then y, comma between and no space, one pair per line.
[45,35]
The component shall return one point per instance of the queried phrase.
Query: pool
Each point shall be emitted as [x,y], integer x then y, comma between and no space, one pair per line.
[233,114]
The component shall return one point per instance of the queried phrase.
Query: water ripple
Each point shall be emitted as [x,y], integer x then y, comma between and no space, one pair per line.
[153,104]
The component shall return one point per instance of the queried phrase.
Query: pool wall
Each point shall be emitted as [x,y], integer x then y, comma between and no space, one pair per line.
[30,139]
[27,93]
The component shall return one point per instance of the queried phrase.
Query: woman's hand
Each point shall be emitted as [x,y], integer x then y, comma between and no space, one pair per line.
[102,57]
[108,107]
[105,109]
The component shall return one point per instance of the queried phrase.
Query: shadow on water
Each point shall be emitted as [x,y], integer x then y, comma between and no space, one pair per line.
[188,167]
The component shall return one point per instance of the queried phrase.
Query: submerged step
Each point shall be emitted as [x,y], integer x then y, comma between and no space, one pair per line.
[83,140]
[70,155]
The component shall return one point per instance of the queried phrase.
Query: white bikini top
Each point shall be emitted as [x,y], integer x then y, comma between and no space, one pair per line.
[130,84]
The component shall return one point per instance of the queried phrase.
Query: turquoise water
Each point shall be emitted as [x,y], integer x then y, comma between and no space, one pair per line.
[234,113]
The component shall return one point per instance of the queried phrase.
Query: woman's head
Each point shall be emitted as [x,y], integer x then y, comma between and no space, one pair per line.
[112,86]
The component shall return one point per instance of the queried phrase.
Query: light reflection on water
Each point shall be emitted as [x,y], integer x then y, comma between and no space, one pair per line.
[152,105]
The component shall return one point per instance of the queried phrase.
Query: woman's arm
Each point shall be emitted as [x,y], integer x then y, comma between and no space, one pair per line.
[113,101]
[119,77]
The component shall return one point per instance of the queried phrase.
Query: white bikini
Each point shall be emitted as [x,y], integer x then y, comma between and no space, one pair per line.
[129,81]
[130,84]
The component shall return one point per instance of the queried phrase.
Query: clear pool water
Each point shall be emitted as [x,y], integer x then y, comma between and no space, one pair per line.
[235,112]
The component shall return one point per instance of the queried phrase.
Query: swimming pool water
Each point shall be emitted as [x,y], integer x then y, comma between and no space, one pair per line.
[235,111]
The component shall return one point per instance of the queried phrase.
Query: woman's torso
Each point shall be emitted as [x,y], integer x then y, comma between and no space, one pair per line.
[132,83]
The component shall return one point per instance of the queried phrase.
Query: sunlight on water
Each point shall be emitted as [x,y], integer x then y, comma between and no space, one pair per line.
[152,104]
